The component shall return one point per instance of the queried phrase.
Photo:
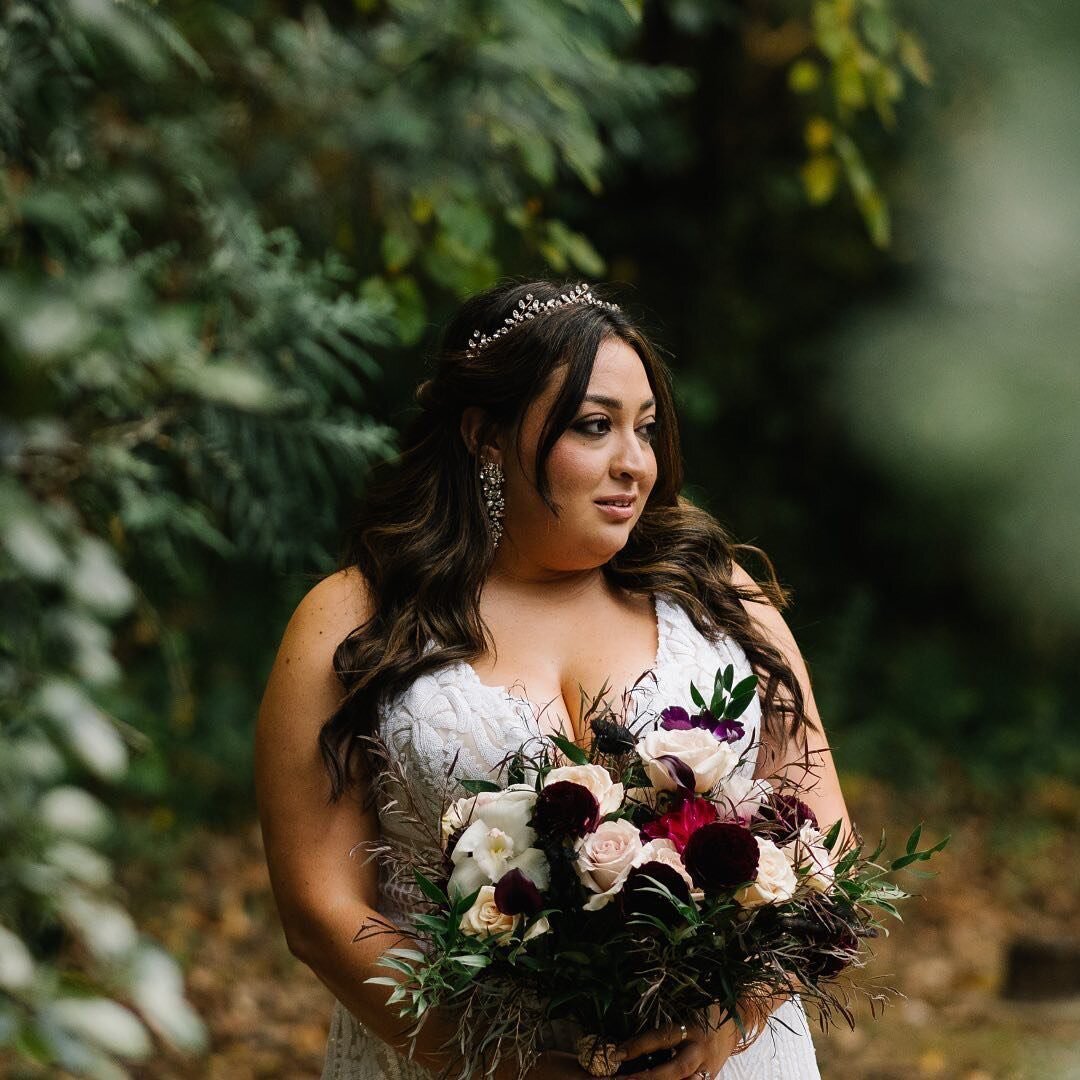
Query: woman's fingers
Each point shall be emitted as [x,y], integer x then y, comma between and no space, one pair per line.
[685,1063]
[656,1039]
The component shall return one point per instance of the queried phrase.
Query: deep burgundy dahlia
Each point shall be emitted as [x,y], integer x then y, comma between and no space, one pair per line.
[565,810]
[721,855]
[785,815]
[639,896]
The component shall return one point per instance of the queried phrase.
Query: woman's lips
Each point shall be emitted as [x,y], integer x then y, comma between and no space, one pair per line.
[615,512]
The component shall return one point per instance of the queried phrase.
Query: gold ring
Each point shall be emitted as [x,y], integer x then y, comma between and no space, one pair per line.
[683,1032]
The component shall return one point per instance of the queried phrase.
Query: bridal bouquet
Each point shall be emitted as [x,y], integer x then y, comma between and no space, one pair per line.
[639,881]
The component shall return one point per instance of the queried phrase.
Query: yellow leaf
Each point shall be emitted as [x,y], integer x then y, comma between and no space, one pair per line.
[804,76]
[914,59]
[818,133]
[819,176]
[421,209]
[848,83]
[875,214]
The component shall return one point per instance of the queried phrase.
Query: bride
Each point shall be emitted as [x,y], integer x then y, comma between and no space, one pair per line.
[528,545]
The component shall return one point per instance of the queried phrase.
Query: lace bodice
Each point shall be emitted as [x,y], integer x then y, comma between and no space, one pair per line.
[451,712]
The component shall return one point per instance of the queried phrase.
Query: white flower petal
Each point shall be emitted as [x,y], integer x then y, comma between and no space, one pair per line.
[533,863]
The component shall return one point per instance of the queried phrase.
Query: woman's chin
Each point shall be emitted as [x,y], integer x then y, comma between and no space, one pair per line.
[609,543]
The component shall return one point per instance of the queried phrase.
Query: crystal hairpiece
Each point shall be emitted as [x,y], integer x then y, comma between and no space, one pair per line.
[530,308]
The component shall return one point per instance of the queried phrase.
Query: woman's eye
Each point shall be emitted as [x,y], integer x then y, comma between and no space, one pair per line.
[587,427]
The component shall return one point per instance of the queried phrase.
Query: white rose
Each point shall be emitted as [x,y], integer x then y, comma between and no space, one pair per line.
[460,812]
[605,857]
[776,881]
[661,851]
[740,797]
[810,859]
[484,919]
[608,793]
[711,759]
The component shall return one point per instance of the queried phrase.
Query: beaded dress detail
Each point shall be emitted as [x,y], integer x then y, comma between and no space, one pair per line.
[450,711]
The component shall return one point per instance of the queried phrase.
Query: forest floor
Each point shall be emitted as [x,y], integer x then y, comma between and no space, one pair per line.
[210,904]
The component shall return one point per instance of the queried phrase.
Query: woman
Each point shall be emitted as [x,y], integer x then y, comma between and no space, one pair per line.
[529,537]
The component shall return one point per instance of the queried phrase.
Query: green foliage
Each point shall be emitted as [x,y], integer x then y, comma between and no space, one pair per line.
[856,62]
[223,233]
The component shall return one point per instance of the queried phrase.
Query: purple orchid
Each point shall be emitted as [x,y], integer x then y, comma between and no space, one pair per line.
[676,718]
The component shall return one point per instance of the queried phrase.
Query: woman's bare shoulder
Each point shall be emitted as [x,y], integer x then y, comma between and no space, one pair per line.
[303,688]
[331,609]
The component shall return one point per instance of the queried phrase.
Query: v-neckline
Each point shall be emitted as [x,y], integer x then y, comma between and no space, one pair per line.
[504,691]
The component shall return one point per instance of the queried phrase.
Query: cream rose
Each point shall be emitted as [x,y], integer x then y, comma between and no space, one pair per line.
[484,919]
[740,797]
[608,793]
[710,759]
[810,859]
[776,881]
[605,857]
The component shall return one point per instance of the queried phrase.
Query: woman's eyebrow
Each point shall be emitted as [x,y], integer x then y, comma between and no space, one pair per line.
[615,403]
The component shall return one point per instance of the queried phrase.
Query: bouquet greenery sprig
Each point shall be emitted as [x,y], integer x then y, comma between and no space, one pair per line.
[638,881]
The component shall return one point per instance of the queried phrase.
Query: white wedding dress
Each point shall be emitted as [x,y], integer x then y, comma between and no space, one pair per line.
[450,712]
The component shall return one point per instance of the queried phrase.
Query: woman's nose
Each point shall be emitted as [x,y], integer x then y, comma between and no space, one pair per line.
[632,456]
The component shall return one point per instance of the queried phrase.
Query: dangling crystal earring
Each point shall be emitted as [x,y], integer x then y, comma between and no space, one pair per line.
[491,480]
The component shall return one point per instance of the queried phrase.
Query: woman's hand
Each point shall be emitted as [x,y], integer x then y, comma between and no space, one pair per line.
[700,1051]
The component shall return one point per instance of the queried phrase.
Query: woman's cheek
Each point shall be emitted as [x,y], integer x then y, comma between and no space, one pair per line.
[572,470]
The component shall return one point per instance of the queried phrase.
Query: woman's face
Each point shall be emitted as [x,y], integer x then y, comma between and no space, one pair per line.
[606,452]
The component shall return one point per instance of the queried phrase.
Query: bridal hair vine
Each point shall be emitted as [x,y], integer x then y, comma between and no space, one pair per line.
[529,308]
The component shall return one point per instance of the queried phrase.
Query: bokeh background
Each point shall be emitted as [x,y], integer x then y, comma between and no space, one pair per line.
[229,233]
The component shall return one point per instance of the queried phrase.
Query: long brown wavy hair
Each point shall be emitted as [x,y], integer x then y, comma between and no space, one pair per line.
[422,539]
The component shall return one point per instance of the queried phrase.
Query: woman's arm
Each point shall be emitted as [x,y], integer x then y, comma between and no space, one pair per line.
[811,766]
[323,894]
[815,769]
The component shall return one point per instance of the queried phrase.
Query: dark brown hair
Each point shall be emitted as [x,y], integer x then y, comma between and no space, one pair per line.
[422,539]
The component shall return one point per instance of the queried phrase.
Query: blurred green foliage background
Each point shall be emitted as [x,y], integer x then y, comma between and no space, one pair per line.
[229,233]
